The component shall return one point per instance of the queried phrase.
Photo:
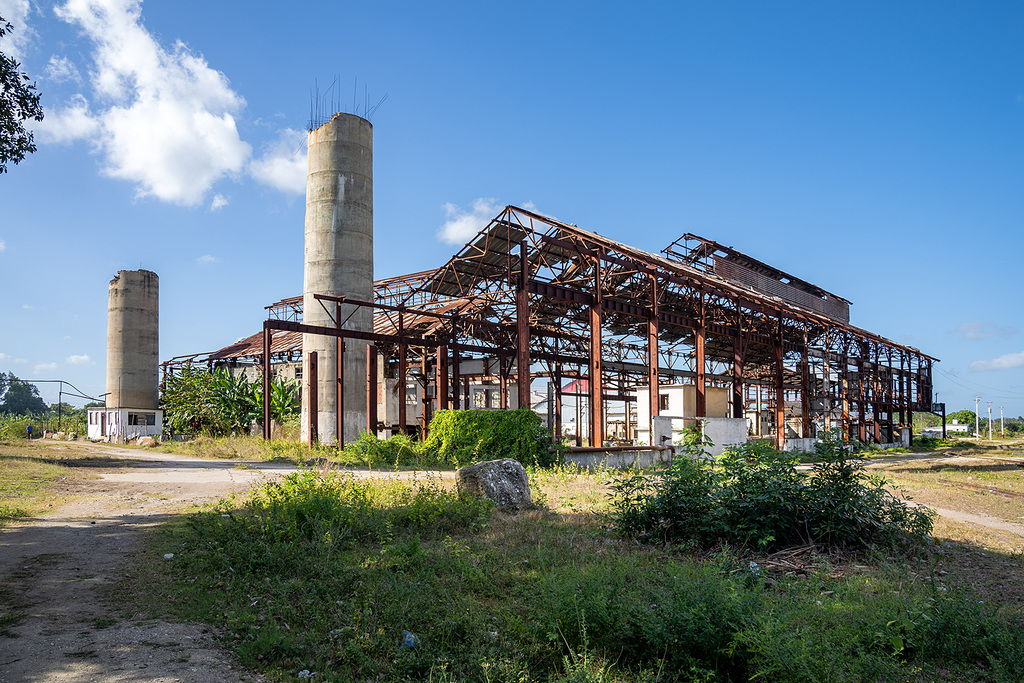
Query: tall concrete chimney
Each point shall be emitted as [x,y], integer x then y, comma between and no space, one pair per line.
[338,262]
[133,340]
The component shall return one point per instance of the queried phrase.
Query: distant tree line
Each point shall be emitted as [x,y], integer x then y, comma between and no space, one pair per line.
[21,406]
[1013,426]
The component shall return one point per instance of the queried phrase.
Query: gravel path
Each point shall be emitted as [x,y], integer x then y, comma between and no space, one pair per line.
[54,570]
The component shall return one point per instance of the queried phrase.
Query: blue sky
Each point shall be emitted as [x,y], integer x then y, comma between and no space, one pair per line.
[875,149]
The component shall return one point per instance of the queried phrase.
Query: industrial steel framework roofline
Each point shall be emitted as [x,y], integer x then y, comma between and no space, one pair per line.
[558,301]
[574,295]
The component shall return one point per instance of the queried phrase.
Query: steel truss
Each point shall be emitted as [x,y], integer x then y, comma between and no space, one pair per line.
[565,303]
[533,292]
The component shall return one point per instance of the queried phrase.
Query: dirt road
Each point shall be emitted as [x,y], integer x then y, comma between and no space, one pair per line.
[54,571]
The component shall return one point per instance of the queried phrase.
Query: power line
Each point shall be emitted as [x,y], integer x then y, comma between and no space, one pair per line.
[1013,394]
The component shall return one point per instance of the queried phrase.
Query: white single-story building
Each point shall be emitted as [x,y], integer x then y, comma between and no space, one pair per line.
[121,425]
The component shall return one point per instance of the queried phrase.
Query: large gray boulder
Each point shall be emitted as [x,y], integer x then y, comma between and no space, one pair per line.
[503,481]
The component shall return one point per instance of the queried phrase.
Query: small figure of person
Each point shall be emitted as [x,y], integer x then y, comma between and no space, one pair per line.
[29,428]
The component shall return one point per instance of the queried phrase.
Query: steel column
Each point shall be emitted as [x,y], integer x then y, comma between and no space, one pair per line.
[596,383]
[339,385]
[737,376]
[267,432]
[780,400]
[558,401]
[503,372]
[780,391]
[699,369]
[403,369]
[314,400]
[805,391]
[426,402]
[371,389]
[826,385]
[700,366]
[456,381]
[441,380]
[523,330]
[653,382]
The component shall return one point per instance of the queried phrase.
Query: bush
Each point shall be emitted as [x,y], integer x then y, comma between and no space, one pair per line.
[218,403]
[328,509]
[754,495]
[459,437]
[400,450]
[15,426]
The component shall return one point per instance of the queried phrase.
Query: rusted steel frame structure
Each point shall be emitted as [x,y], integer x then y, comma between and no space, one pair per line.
[556,293]
[400,339]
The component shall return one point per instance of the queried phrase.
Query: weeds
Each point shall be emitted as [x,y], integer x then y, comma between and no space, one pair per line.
[325,573]
[459,437]
[755,495]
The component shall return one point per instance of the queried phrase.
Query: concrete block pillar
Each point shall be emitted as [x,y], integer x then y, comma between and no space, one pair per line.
[338,262]
[133,340]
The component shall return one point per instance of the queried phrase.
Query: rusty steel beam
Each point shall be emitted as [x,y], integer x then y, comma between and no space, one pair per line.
[314,401]
[456,381]
[523,330]
[372,389]
[558,401]
[266,382]
[737,377]
[426,403]
[441,379]
[653,381]
[595,384]
[339,385]
[805,395]
[699,368]
[403,370]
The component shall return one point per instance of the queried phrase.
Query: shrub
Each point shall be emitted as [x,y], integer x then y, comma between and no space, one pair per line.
[396,451]
[754,494]
[330,509]
[459,437]
[14,426]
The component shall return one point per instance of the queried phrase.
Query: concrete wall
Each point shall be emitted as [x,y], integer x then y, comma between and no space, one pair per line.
[800,445]
[620,459]
[338,262]
[723,431]
[123,425]
[133,340]
[682,401]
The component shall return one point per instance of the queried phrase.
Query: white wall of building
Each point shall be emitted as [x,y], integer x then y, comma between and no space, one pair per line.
[121,425]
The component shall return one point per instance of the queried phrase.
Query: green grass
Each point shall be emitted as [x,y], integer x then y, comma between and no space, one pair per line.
[28,479]
[326,574]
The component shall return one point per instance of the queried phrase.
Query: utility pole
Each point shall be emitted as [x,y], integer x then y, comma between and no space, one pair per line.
[990,420]
[1002,432]
[977,419]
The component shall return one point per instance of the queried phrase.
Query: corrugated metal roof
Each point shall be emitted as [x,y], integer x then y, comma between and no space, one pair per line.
[280,342]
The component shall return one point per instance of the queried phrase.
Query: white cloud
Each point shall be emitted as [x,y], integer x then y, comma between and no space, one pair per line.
[984,329]
[462,225]
[4,356]
[27,307]
[14,43]
[3,246]
[206,260]
[80,360]
[283,164]
[219,202]
[163,119]
[70,123]
[41,368]
[1005,362]
[61,70]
